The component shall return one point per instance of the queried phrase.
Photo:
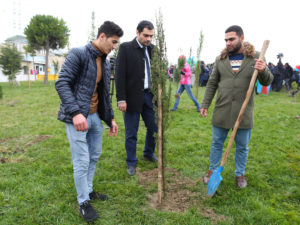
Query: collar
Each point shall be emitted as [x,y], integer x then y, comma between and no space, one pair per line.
[136,44]
[248,51]
[95,51]
[95,46]
[141,46]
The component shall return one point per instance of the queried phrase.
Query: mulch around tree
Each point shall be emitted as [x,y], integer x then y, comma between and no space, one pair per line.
[179,195]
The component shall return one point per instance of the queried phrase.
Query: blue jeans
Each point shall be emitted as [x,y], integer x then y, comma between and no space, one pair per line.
[86,149]
[241,139]
[132,120]
[188,89]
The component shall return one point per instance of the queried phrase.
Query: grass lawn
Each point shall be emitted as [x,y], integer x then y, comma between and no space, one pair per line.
[36,175]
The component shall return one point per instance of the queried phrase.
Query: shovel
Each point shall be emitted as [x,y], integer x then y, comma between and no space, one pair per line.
[216,177]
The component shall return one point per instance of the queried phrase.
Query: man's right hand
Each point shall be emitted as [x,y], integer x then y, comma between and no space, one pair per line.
[203,112]
[122,106]
[80,122]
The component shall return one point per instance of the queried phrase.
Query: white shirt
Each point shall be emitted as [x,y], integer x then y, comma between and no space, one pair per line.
[146,82]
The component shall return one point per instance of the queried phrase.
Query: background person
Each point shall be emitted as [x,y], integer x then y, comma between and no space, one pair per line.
[185,84]
[288,73]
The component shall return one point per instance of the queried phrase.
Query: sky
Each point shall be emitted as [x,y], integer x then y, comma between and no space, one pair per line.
[183,21]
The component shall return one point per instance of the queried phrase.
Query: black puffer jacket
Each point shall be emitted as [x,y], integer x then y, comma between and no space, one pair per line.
[77,81]
[288,72]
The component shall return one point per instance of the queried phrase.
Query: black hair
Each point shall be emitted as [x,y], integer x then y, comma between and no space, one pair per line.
[110,29]
[235,28]
[144,24]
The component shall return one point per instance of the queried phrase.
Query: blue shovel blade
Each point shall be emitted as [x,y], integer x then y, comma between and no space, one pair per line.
[214,181]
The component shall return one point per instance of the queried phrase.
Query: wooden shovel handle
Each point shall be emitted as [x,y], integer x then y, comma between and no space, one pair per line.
[245,103]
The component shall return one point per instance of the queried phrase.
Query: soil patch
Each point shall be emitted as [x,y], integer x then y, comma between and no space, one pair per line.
[180,193]
[37,139]
[12,146]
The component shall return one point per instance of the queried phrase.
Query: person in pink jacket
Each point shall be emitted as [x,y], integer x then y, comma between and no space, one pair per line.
[185,84]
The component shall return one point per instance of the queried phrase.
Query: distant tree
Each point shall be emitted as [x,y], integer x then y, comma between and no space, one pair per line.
[198,66]
[47,32]
[190,53]
[179,67]
[92,35]
[10,61]
[56,66]
[112,70]
[115,53]
[29,50]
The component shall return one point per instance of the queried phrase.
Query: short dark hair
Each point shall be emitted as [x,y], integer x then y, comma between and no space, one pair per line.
[144,24]
[110,29]
[235,28]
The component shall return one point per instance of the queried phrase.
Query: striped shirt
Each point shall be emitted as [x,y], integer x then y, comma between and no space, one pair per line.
[236,62]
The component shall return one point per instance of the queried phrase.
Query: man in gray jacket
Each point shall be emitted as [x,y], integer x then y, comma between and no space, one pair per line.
[231,76]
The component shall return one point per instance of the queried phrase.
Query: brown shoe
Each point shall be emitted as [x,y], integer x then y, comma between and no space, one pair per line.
[241,181]
[207,177]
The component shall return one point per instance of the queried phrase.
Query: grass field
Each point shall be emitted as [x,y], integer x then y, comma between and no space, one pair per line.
[36,180]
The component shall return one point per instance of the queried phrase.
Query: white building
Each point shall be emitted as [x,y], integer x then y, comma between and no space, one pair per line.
[34,67]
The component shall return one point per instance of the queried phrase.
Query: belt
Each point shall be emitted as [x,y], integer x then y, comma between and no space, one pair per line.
[147,90]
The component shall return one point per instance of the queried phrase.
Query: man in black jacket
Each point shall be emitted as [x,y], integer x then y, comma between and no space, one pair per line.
[278,73]
[133,79]
[83,87]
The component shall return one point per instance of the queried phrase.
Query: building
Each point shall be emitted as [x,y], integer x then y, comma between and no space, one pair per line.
[34,66]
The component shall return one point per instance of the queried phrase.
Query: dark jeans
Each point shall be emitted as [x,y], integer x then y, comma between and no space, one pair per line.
[277,83]
[132,120]
[287,84]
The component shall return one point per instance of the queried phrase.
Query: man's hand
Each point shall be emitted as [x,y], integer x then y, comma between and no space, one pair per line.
[113,131]
[203,112]
[260,65]
[122,106]
[80,122]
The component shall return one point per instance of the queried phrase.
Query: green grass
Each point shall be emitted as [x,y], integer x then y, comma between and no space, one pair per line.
[36,177]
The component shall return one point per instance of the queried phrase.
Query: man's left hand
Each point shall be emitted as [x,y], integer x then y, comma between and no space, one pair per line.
[113,131]
[260,65]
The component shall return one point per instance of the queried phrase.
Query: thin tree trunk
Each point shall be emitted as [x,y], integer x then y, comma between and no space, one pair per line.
[34,73]
[160,150]
[46,69]
[198,71]
[28,79]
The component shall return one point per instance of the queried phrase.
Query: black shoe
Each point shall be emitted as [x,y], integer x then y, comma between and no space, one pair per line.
[151,159]
[87,212]
[95,196]
[131,170]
